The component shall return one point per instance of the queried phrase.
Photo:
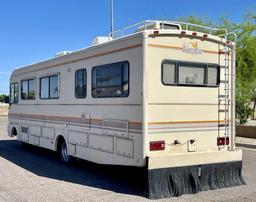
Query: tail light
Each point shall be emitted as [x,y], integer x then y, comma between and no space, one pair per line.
[205,35]
[222,141]
[157,145]
[194,33]
[156,32]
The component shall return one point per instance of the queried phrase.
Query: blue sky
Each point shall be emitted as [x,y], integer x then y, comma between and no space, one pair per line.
[32,30]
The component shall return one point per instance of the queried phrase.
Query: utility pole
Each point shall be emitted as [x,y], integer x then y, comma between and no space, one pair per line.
[111,18]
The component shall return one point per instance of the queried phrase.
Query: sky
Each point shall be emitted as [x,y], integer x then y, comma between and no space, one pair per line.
[32,31]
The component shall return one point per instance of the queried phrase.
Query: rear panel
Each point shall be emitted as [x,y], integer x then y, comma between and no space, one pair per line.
[184,107]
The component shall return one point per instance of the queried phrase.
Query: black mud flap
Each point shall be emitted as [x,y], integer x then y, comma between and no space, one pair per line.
[169,182]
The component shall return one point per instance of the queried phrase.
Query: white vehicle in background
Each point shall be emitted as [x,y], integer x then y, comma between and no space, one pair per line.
[160,97]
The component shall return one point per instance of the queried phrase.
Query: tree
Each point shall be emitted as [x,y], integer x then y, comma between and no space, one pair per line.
[2,98]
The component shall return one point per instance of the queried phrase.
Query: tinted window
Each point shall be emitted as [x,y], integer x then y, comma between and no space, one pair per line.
[14,93]
[44,88]
[24,90]
[49,87]
[169,73]
[31,89]
[80,83]
[212,75]
[190,74]
[28,89]
[194,75]
[111,80]
[54,90]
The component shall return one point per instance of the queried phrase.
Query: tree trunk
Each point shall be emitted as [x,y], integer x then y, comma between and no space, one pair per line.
[254,107]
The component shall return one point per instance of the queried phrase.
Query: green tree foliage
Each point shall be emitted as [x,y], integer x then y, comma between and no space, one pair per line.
[2,98]
[246,67]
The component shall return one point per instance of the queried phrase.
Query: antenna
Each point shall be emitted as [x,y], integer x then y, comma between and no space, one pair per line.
[111,18]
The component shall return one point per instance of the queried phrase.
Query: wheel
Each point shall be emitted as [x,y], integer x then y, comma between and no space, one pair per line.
[65,158]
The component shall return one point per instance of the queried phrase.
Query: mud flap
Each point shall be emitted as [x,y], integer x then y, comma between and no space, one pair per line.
[169,182]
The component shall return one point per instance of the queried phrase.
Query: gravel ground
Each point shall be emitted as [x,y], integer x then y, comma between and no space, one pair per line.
[33,174]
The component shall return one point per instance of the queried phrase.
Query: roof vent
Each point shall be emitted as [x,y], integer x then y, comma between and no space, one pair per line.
[101,39]
[62,53]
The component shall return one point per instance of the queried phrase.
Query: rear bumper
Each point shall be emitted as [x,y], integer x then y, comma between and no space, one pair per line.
[193,158]
[174,175]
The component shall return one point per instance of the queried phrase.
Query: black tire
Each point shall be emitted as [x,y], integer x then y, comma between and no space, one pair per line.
[65,158]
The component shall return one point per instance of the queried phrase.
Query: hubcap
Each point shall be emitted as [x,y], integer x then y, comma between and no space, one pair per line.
[64,152]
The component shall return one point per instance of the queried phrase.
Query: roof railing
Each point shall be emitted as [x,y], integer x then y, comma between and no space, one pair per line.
[141,26]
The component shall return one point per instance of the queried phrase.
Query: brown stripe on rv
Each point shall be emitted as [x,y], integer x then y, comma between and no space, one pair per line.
[180,48]
[114,124]
[95,122]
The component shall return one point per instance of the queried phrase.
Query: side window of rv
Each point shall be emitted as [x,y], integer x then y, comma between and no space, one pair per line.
[49,87]
[80,83]
[14,93]
[28,89]
[189,74]
[110,80]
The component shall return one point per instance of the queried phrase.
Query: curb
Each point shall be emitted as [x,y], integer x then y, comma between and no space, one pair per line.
[246,142]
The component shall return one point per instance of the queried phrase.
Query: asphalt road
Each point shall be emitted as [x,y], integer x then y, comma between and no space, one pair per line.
[34,174]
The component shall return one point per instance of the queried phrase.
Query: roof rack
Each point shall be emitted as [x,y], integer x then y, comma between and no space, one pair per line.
[145,25]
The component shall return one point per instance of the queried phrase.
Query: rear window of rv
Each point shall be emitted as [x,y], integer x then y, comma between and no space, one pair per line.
[190,74]
[28,89]
[49,87]
[110,80]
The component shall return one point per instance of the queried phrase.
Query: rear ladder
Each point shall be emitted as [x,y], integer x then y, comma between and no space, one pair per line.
[226,101]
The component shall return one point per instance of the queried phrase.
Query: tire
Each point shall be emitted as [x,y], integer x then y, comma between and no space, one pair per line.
[65,158]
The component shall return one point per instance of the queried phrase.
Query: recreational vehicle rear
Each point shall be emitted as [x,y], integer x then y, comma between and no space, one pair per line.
[161,98]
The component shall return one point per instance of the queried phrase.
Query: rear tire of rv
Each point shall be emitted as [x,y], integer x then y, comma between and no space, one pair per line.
[63,151]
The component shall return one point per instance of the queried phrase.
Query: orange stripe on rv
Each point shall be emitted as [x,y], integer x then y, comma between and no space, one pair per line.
[184,122]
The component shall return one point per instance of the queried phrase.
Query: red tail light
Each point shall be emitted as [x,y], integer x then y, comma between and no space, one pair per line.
[157,145]
[194,33]
[156,32]
[183,33]
[205,35]
[222,141]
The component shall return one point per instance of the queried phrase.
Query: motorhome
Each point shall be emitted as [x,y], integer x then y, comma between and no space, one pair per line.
[157,94]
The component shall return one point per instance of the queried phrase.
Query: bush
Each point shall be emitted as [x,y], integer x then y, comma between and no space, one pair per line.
[243,110]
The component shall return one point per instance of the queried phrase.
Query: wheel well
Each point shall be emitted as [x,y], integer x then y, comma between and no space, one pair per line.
[14,132]
[59,140]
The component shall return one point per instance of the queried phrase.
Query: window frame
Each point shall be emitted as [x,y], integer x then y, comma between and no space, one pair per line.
[86,83]
[14,102]
[121,62]
[49,87]
[193,64]
[21,88]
